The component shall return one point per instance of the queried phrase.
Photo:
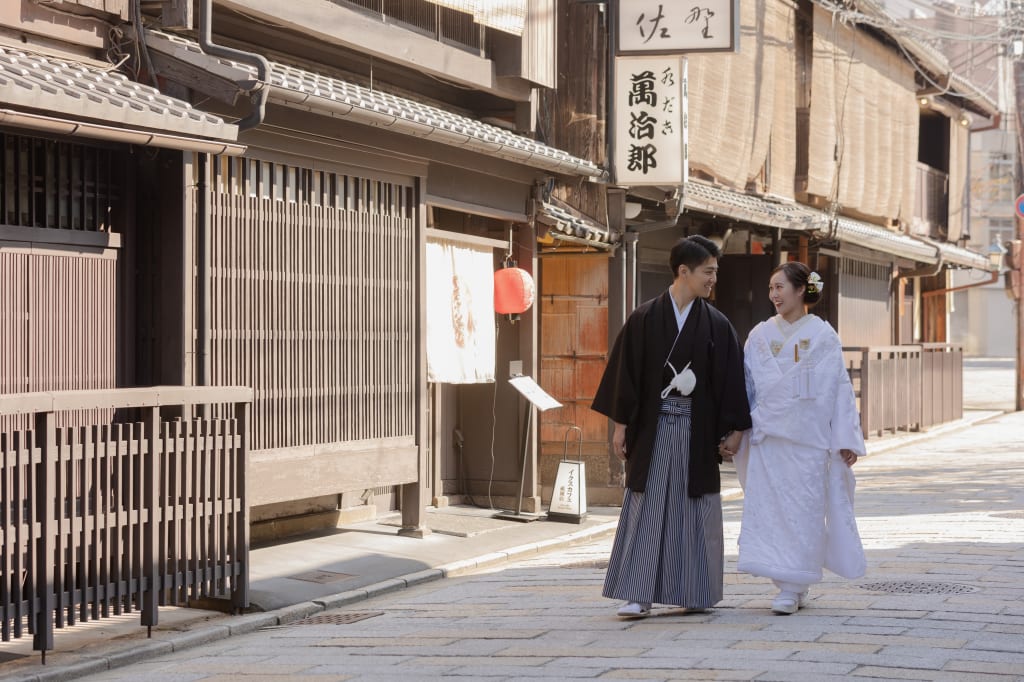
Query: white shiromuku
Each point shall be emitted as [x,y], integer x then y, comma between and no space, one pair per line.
[798,514]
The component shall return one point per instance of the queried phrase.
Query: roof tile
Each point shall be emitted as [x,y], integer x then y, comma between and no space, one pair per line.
[376,103]
[83,91]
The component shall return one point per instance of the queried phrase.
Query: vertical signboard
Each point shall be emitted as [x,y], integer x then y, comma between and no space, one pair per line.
[650,120]
[650,27]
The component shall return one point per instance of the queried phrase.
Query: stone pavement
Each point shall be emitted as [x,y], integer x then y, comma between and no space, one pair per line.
[358,565]
[942,523]
[989,383]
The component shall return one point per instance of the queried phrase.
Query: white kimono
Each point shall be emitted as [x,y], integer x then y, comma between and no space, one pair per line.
[798,493]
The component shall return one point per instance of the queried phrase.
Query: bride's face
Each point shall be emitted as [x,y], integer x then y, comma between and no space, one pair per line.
[787,299]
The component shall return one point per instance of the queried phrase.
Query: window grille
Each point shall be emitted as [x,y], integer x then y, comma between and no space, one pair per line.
[59,185]
[313,301]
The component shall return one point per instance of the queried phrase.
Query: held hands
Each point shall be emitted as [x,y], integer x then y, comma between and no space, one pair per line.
[729,445]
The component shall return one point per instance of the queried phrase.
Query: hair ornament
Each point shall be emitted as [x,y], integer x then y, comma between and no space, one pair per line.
[814,283]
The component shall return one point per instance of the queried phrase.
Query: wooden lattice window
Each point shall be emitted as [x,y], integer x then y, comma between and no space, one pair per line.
[59,185]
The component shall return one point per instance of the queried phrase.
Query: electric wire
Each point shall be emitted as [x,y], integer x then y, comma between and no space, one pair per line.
[905,32]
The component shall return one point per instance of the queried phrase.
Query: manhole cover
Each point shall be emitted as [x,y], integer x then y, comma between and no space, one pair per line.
[918,587]
[1010,515]
[337,618]
[596,563]
[322,577]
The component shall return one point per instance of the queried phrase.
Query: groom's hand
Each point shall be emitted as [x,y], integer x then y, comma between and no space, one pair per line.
[730,444]
[619,442]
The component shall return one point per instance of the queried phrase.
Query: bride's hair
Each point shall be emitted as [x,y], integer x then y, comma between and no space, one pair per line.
[798,274]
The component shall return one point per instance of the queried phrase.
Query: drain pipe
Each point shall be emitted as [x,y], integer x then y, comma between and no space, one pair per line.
[257,88]
[993,278]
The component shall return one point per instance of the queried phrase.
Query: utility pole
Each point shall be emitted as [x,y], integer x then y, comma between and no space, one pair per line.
[1018,104]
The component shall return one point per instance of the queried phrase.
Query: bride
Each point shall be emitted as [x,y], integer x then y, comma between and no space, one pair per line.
[794,463]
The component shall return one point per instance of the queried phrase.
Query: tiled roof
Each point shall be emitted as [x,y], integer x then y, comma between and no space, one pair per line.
[577,228]
[32,81]
[789,215]
[718,200]
[300,88]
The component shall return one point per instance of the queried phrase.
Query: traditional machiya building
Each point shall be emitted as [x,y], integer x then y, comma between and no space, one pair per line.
[333,247]
[81,185]
[312,200]
[830,138]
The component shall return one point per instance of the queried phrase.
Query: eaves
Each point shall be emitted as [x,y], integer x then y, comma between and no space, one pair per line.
[789,215]
[66,97]
[330,96]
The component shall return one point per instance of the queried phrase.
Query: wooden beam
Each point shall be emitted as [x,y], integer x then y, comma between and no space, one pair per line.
[466,238]
[195,78]
[286,474]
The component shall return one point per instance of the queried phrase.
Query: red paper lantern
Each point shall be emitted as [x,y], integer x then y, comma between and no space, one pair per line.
[513,291]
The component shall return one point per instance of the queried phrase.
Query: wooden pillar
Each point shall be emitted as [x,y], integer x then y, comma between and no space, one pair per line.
[1018,78]
[415,494]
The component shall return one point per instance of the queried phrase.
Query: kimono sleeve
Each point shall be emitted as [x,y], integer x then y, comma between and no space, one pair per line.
[748,373]
[846,429]
[618,394]
[734,408]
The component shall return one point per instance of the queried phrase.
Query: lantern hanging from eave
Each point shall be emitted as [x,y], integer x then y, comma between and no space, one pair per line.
[513,291]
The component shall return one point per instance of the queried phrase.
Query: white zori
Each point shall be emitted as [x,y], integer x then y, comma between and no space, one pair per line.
[798,512]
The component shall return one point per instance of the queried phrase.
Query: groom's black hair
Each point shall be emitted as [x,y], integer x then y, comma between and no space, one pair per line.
[692,251]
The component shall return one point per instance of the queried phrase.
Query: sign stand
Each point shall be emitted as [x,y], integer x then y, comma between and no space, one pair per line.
[536,398]
[569,496]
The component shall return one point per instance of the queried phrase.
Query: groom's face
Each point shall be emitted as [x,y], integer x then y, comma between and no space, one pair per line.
[700,280]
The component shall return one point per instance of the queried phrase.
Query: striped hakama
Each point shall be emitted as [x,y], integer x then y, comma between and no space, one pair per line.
[668,547]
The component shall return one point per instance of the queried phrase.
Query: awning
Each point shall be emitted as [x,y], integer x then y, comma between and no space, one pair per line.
[960,256]
[311,91]
[73,98]
[789,215]
[568,226]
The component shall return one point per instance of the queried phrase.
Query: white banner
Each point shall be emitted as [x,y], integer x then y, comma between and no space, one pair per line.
[460,313]
[651,27]
[650,121]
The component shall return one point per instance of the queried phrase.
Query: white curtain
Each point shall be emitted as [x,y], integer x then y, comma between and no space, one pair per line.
[460,313]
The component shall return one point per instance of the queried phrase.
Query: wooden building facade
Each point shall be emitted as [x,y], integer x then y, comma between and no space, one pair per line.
[839,152]
[287,253]
[253,206]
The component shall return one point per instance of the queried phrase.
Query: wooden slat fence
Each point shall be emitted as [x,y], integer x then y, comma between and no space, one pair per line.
[908,387]
[942,383]
[124,516]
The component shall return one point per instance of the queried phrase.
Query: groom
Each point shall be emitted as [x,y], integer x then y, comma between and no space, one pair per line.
[668,546]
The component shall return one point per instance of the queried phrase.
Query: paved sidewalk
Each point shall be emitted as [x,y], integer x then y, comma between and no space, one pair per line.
[292,580]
